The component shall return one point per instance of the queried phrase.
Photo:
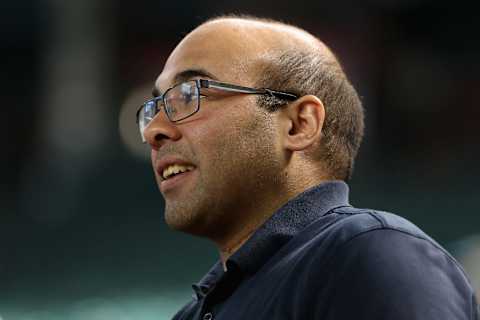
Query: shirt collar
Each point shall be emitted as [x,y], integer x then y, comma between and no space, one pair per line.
[213,275]
[283,225]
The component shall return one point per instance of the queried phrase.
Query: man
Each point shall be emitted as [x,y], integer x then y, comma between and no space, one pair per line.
[253,130]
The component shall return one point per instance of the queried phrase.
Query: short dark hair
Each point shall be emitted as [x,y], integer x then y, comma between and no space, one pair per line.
[316,72]
[304,73]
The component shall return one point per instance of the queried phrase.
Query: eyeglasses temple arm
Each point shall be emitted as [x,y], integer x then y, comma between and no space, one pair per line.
[228,87]
[240,89]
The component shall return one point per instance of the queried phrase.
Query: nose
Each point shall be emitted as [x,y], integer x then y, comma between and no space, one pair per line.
[161,130]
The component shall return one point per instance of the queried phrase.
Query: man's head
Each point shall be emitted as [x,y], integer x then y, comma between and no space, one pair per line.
[251,153]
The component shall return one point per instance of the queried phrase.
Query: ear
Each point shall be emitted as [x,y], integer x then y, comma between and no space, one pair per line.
[303,120]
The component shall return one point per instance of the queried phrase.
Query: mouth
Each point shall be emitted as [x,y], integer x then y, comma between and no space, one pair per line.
[173,172]
[174,176]
[175,169]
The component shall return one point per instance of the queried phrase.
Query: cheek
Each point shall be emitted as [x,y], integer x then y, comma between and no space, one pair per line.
[214,142]
[207,144]
[232,144]
[230,137]
[153,157]
[211,131]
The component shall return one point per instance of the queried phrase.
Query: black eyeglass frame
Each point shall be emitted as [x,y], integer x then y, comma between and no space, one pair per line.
[211,84]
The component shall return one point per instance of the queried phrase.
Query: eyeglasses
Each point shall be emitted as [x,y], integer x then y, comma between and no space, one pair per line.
[183,100]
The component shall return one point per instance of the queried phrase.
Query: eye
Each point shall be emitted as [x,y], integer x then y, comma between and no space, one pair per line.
[170,110]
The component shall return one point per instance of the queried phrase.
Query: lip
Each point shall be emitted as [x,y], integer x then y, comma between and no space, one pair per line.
[175,181]
[166,161]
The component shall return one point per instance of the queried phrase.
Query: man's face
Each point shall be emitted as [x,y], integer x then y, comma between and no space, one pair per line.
[231,144]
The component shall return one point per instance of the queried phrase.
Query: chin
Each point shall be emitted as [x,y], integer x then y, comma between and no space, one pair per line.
[187,221]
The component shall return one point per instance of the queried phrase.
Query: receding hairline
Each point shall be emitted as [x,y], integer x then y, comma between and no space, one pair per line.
[258,22]
[309,41]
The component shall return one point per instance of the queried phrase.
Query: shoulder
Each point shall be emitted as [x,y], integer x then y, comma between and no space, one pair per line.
[383,264]
[339,229]
[379,239]
[348,223]
[353,222]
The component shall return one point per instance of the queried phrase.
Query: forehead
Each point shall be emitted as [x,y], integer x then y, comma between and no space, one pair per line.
[230,53]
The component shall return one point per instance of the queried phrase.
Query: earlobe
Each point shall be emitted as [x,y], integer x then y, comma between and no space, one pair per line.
[305,119]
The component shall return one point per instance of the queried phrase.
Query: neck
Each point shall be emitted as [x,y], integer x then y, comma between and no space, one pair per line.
[229,249]
[227,246]
[244,221]
[244,226]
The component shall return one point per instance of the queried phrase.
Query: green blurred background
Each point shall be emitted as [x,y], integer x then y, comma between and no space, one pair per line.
[82,234]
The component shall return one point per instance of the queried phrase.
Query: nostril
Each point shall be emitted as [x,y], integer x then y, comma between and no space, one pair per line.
[160,137]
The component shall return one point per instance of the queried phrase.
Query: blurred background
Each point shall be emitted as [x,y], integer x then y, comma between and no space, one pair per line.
[82,234]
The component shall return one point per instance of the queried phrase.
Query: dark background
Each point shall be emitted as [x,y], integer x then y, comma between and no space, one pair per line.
[81,220]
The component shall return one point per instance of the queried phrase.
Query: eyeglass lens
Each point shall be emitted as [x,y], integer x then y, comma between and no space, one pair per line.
[180,102]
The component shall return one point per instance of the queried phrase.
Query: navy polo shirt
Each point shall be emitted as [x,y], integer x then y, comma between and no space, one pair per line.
[317,257]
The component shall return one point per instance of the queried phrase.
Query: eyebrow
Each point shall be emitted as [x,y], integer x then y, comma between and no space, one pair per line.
[186,75]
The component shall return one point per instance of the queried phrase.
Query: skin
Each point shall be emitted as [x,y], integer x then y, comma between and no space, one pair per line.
[248,162]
